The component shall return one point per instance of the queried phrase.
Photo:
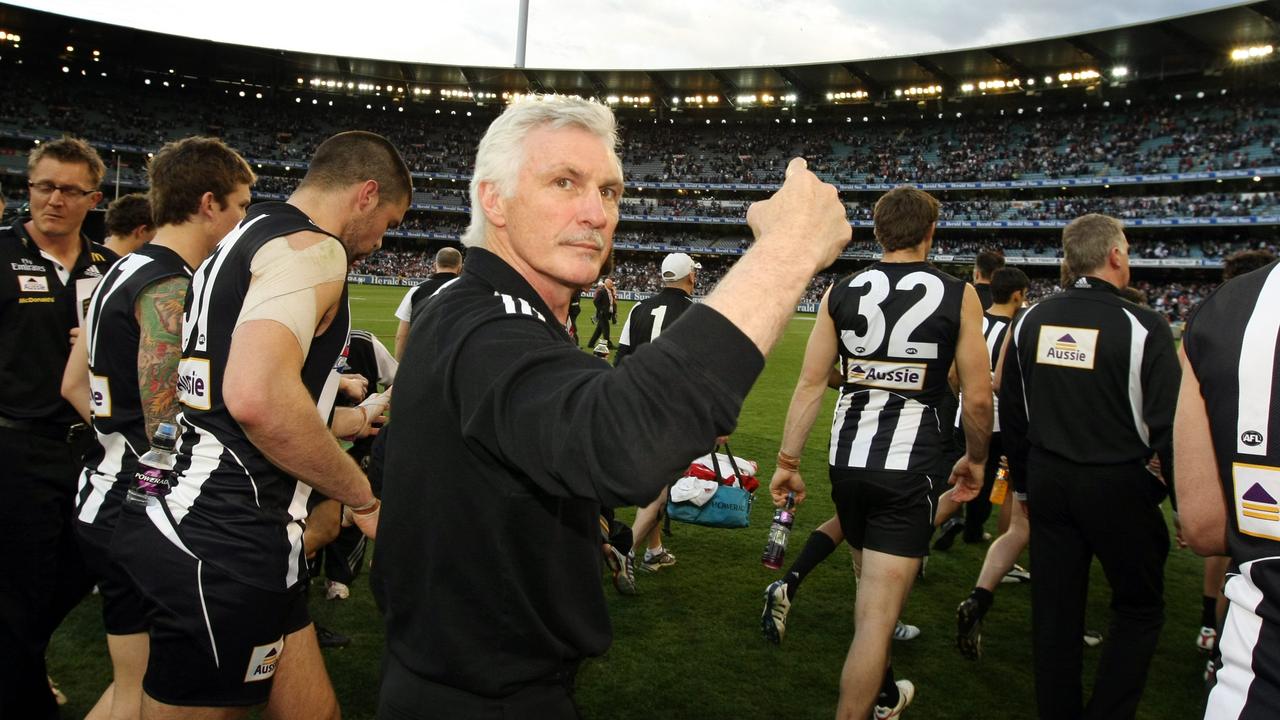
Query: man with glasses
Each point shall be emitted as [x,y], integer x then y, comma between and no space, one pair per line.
[45,263]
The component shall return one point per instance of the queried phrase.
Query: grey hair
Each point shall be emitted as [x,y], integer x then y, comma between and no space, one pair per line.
[501,152]
[1088,240]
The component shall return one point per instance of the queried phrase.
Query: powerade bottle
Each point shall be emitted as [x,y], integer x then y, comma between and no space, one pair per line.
[155,468]
[776,548]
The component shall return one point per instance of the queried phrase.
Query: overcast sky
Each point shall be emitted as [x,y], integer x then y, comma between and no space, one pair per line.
[622,33]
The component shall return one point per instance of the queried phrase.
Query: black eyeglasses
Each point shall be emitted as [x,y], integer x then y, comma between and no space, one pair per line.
[70,192]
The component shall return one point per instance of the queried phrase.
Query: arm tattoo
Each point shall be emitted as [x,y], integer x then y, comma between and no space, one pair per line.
[159,315]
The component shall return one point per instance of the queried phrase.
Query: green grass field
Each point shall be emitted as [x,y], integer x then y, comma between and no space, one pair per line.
[689,645]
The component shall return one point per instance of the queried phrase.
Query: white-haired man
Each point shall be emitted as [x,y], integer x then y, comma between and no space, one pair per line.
[490,565]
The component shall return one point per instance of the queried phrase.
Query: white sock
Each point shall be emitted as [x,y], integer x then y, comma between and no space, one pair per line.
[651,554]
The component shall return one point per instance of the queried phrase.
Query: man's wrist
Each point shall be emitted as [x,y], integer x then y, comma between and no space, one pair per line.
[790,463]
[366,508]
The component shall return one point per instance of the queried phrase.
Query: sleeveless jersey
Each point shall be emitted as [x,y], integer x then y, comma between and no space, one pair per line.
[231,507]
[1233,344]
[649,317]
[994,328]
[897,326]
[111,331]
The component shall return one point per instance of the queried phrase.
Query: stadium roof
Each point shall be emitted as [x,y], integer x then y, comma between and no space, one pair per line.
[1185,45]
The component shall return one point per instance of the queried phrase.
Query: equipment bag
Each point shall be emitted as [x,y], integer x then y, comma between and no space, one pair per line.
[730,507]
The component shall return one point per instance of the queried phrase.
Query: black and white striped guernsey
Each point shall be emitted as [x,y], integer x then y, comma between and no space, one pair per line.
[231,507]
[1233,344]
[897,326]
[111,333]
[994,329]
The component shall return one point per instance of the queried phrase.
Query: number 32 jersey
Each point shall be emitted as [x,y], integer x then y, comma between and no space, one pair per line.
[896,328]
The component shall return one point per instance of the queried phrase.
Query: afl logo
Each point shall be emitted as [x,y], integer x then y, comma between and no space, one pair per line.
[912,351]
[1252,438]
[860,350]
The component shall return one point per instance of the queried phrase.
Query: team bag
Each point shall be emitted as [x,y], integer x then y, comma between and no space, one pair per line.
[716,491]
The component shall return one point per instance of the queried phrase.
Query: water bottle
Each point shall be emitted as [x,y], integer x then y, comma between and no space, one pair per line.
[776,548]
[1000,488]
[155,468]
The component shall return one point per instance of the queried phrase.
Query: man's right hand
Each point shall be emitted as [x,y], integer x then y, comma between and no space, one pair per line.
[786,481]
[806,214]
[966,476]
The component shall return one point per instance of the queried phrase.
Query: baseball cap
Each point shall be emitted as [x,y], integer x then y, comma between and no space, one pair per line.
[677,265]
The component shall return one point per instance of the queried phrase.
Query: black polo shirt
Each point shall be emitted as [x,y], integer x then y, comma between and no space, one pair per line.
[507,441]
[37,312]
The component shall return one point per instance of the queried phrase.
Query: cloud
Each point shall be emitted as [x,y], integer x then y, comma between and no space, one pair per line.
[608,34]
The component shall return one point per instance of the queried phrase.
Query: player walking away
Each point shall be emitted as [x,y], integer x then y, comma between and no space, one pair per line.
[896,327]
[985,266]
[1227,439]
[1008,291]
[644,324]
[1012,287]
[129,224]
[266,319]
[448,265]
[124,374]
[1087,395]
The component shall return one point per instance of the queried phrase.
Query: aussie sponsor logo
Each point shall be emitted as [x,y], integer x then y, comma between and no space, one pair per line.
[887,375]
[27,266]
[33,283]
[1256,488]
[193,383]
[1067,346]
[100,396]
[263,661]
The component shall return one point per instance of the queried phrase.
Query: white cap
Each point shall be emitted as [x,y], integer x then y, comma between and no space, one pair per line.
[602,350]
[676,266]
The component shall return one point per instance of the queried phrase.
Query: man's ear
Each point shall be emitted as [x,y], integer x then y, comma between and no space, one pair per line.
[368,196]
[493,204]
[208,206]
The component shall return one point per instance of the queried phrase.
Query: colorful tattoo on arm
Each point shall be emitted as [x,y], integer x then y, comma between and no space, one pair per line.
[159,315]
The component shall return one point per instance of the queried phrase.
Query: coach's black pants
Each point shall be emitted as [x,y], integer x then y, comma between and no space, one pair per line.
[405,696]
[1077,512]
[45,576]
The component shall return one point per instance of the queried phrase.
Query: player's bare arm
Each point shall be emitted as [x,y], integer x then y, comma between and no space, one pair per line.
[263,389]
[75,380]
[1201,508]
[815,373]
[973,367]
[158,311]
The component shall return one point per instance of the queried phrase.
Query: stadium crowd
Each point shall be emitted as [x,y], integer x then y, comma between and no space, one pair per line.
[1159,134]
